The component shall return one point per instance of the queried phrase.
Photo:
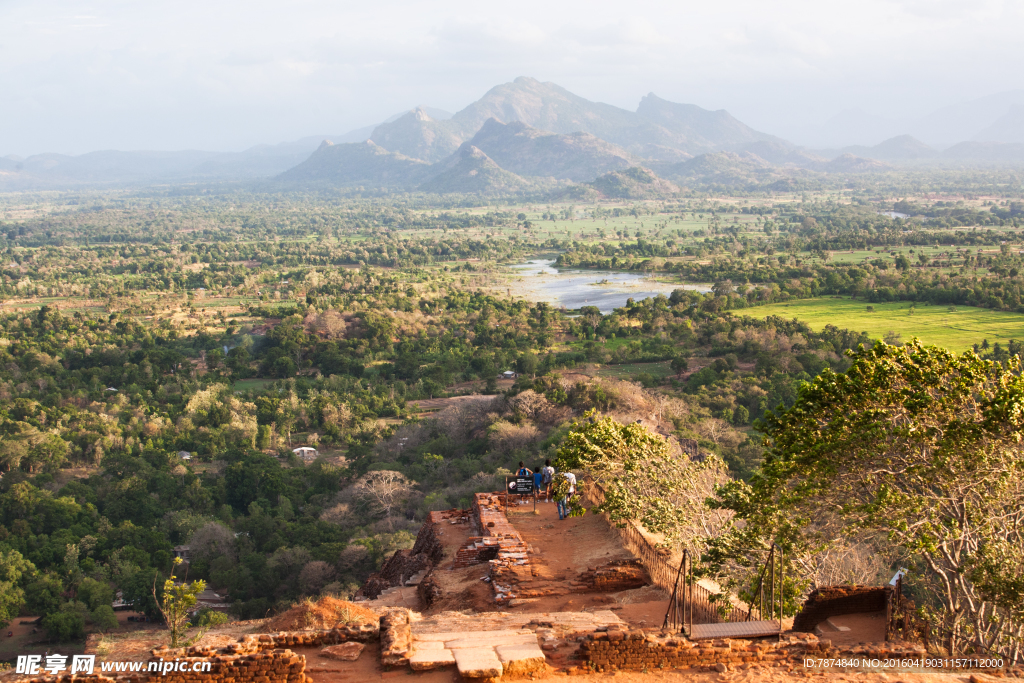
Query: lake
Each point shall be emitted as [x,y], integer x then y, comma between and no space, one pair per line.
[575,287]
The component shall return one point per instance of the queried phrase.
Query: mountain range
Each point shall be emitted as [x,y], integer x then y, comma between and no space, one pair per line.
[993,118]
[527,135]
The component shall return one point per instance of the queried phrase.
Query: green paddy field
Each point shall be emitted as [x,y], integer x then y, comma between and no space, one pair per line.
[956,330]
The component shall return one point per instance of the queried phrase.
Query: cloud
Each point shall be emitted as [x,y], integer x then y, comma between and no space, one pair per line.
[225,75]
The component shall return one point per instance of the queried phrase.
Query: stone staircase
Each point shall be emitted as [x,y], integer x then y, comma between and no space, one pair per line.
[397,596]
[417,578]
[491,645]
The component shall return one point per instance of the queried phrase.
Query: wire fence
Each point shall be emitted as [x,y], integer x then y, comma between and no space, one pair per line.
[705,606]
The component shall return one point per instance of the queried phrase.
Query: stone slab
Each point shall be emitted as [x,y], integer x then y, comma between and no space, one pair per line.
[465,635]
[427,644]
[519,660]
[478,662]
[462,644]
[424,660]
[608,616]
[346,652]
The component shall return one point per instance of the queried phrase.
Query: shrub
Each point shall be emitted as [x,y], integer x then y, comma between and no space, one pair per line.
[64,626]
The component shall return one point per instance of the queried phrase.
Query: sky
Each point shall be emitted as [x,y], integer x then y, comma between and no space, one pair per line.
[78,76]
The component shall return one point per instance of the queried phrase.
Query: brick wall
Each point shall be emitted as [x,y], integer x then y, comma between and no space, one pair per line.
[833,601]
[454,515]
[477,550]
[395,637]
[430,591]
[639,651]
[619,575]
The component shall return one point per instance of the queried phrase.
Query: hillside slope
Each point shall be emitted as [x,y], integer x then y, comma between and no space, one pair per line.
[356,163]
[528,151]
[470,171]
[633,183]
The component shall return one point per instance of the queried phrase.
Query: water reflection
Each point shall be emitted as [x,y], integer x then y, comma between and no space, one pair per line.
[575,287]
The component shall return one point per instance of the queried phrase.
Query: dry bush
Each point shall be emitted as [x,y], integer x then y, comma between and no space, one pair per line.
[329,324]
[407,436]
[325,613]
[457,422]
[528,403]
[506,437]
[314,576]
[383,491]
[211,541]
[340,514]
[353,558]
[719,432]
[846,562]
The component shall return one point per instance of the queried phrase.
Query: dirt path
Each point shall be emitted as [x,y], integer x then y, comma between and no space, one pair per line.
[560,550]
[432,404]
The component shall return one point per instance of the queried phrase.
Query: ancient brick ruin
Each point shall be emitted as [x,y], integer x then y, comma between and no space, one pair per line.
[635,650]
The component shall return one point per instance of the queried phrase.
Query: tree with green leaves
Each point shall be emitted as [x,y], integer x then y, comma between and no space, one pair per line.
[645,479]
[176,603]
[918,449]
[12,568]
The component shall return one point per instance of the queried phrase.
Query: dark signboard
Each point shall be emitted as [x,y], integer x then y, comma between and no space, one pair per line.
[521,485]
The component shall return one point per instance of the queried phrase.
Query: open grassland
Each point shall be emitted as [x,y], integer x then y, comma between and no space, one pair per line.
[956,330]
[630,371]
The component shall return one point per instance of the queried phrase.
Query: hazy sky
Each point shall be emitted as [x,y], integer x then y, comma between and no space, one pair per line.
[224,75]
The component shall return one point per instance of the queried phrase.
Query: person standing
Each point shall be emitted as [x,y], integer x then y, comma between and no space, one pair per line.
[547,476]
[563,503]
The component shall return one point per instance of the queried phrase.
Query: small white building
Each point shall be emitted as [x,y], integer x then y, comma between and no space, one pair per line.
[184,455]
[184,552]
[508,374]
[307,453]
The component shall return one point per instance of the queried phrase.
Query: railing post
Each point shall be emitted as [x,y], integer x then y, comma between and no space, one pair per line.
[782,585]
[688,582]
[888,613]
[771,579]
[673,605]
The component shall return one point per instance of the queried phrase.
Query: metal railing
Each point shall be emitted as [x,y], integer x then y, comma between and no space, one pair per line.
[691,603]
[897,617]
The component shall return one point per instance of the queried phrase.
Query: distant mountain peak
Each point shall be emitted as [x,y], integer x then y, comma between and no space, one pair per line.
[325,143]
[421,114]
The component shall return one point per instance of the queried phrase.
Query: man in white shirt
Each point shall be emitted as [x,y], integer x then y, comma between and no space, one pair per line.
[563,504]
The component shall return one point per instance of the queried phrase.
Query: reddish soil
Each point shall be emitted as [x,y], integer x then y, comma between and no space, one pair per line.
[368,668]
[560,550]
[326,612]
[432,404]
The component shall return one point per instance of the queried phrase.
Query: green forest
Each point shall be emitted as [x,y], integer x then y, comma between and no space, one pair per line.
[162,355]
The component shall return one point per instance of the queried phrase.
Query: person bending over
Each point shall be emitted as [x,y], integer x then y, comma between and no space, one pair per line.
[563,503]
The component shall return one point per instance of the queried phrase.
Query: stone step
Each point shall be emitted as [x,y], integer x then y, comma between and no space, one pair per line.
[447,636]
[432,658]
[470,643]
[520,660]
[477,662]
[416,579]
